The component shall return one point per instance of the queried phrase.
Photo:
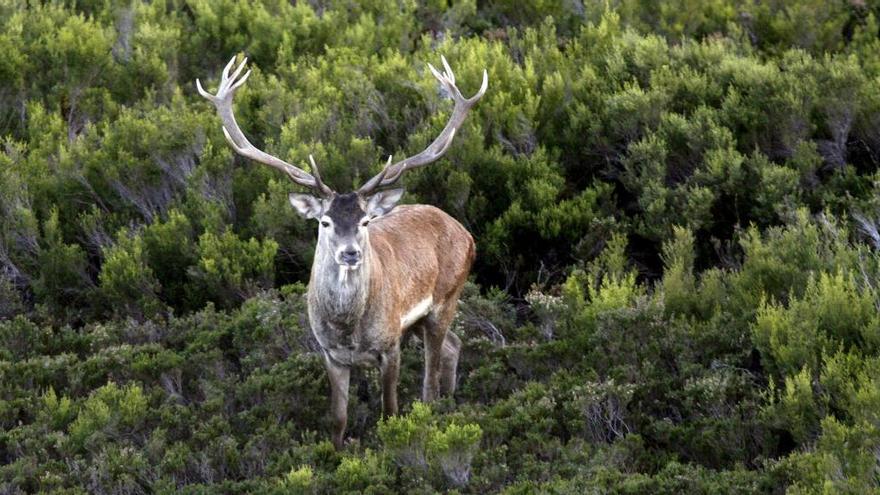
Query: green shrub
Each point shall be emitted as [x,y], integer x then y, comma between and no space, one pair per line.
[833,312]
[669,295]
[406,437]
[366,474]
[229,269]
[107,414]
[300,480]
[127,281]
[453,448]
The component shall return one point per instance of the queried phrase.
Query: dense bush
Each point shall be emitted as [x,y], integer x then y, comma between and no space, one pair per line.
[675,205]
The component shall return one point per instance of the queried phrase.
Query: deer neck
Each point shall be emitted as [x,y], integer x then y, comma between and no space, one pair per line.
[340,293]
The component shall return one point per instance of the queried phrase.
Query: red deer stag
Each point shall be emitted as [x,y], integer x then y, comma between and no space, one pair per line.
[378,271]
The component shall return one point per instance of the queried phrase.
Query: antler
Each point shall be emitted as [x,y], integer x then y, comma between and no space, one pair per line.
[229,84]
[391,172]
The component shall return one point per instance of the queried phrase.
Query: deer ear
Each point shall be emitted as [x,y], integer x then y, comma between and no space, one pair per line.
[383,201]
[307,205]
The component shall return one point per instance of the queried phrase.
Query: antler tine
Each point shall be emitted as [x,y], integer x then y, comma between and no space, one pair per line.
[391,173]
[237,69]
[229,84]
[225,72]
[241,81]
[326,191]
[384,171]
[448,69]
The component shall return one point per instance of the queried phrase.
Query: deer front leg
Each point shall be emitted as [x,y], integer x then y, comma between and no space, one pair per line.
[390,371]
[339,377]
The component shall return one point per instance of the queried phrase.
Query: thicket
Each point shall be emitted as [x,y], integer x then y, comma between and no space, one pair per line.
[677,213]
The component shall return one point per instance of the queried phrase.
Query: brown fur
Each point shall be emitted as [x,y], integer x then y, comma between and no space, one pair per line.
[414,252]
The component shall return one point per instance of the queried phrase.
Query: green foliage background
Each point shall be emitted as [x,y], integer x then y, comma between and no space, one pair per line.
[676,205]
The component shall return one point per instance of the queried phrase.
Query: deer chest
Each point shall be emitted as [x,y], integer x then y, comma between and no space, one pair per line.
[345,346]
[352,356]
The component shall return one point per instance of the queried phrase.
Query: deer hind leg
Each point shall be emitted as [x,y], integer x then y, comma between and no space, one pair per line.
[390,372]
[339,378]
[442,348]
[449,363]
[432,338]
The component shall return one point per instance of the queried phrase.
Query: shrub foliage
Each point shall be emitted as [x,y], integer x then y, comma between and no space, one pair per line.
[676,206]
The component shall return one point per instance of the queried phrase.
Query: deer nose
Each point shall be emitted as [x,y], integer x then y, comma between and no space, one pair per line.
[351,256]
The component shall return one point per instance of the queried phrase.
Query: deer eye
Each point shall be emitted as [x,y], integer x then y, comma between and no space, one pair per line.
[325,223]
[364,223]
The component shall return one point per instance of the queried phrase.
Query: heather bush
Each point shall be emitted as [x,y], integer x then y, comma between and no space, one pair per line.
[675,205]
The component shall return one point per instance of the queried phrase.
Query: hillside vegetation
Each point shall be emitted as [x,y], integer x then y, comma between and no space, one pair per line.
[676,206]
